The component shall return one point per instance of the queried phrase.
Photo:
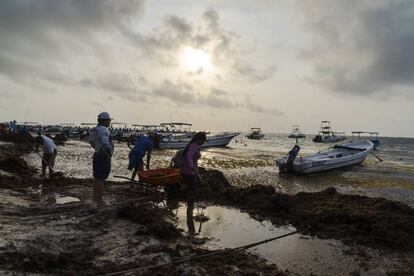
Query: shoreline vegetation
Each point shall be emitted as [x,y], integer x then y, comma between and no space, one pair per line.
[136,231]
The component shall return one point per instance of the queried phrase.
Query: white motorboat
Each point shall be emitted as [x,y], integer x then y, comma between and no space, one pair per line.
[326,135]
[344,155]
[218,140]
[296,132]
[373,137]
[255,134]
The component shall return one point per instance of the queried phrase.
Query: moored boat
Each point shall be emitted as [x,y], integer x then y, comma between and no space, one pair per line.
[373,137]
[218,140]
[339,156]
[296,132]
[255,134]
[326,135]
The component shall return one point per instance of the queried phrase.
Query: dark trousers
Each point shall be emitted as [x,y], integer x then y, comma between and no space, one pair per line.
[48,161]
[192,182]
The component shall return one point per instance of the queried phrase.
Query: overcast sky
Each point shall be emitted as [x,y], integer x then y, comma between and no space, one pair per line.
[221,65]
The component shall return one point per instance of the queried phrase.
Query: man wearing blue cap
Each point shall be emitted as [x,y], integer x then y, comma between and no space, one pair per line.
[100,140]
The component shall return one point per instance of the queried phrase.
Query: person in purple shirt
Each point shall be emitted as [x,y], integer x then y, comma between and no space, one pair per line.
[189,169]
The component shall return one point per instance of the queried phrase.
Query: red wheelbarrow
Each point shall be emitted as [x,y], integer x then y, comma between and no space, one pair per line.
[160,177]
[166,177]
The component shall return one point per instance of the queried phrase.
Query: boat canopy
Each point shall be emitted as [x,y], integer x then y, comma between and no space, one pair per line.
[175,124]
[146,126]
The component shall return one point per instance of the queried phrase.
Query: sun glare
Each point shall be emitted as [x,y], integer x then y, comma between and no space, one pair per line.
[196,60]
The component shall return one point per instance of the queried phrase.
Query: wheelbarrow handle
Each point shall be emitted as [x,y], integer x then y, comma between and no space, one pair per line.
[143,184]
[127,178]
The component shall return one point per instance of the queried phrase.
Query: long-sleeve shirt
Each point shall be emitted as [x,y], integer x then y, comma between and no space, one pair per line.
[142,145]
[48,145]
[99,138]
[190,165]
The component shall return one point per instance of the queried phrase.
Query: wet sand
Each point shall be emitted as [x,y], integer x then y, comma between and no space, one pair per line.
[39,235]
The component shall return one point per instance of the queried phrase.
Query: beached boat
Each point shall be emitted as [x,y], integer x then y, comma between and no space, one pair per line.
[218,140]
[373,136]
[255,134]
[339,156]
[326,135]
[296,132]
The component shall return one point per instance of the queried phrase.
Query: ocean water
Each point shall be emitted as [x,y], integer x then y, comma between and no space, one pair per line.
[249,162]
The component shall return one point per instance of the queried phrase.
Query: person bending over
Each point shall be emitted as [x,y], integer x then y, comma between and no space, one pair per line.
[49,153]
[142,146]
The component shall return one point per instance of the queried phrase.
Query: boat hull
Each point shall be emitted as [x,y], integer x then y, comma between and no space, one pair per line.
[328,139]
[297,136]
[214,141]
[317,163]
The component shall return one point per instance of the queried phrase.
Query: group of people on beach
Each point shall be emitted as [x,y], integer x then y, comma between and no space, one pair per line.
[141,146]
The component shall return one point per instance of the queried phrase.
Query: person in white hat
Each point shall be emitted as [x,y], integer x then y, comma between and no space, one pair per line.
[100,140]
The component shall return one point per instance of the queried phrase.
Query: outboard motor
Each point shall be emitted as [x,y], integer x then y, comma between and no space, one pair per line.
[291,156]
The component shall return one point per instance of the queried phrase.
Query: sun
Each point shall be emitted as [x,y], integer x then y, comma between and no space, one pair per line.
[196,60]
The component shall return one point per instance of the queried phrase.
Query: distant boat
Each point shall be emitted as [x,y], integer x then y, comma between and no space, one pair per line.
[255,134]
[218,140]
[326,135]
[374,137]
[339,156]
[296,132]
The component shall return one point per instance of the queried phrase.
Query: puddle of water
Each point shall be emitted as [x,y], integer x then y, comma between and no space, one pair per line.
[66,199]
[228,228]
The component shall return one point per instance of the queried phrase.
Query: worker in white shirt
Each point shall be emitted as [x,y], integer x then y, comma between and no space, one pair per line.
[49,152]
[100,140]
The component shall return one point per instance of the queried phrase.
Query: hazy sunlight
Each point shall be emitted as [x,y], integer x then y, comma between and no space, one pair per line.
[196,60]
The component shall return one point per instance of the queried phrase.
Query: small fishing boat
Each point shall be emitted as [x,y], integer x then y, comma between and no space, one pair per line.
[326,135]
[255,134]
[218,140]
[296,132]
[373,137]
[339,156]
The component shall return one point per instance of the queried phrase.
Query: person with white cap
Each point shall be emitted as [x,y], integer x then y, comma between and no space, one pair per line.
[142,145]
[100,140]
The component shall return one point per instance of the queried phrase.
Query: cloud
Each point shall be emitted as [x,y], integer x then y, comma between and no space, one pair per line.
[212,17]
[360,47]
[52,44]
[218,92]
[183,94]
[177,92]
[162,43]
[249,105]
[42,39]
[253,73]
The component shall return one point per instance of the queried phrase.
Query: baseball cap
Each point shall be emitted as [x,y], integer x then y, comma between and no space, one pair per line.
[104,116]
